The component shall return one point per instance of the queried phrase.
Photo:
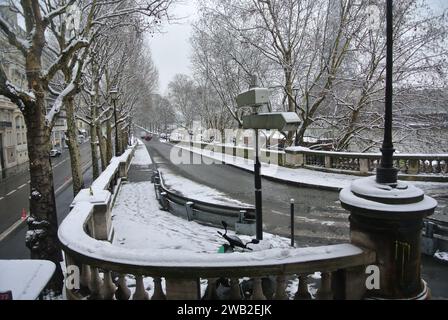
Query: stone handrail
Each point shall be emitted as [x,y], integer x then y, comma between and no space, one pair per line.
[430,167]
[423,167]
[104,267]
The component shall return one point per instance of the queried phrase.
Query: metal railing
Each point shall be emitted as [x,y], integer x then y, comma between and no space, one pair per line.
[242,217]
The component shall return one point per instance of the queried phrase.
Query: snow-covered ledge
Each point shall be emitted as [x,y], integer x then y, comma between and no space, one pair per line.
[412,166]
[425,167]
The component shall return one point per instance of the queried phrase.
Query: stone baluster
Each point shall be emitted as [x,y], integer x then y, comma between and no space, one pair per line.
[158,291]
[235,292]
[85,276]
[210,293]
[325,292]
[328,161]
[364,165]
[95,284]
[257,293]
[123,292]
[414,166]
[302,293]
[437,167]
[280,289]
[140,292]
[108,288]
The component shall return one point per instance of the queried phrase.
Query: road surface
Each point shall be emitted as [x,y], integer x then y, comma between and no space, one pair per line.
[319,217]
[14,194]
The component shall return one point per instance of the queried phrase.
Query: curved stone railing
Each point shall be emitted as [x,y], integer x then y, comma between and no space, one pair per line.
[105,269]
[424,167]
[431,167]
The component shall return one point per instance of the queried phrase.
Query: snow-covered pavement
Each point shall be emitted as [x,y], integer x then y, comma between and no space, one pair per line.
[140,224]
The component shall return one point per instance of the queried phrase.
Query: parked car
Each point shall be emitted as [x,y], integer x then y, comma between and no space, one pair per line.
[55,153]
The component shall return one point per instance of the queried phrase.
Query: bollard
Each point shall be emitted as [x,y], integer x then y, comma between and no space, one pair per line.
[189,210]
[292,222]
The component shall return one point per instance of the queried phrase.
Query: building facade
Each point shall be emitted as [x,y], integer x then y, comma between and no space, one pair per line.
[13,140]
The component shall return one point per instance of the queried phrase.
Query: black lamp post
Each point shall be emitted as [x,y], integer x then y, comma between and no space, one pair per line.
[386,173]
[114,96]
[386,216]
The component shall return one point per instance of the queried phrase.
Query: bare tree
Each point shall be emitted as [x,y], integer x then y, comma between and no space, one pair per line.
[39,17]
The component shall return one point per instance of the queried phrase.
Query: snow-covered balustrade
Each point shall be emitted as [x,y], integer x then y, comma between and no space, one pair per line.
[105,268]
[117,169]
[426,167]
[431,167]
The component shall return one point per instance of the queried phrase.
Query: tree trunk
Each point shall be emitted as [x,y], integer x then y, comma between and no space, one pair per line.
[42,238]
[73,147]
[102,147]
[109,147]
[94,142]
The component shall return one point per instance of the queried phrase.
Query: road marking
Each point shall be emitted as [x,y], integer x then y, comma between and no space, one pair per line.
[11,229]
[18,223]
[1,198]
[59,163]
[69,180]
[29,181]
[23,185]
[63,185]
[11,192]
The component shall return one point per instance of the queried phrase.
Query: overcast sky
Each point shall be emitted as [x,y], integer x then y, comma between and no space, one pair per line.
[171,50]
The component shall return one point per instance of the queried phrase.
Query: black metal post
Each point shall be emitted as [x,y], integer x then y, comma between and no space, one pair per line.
[386,173]
[292,222]
[117,151]
[258,196]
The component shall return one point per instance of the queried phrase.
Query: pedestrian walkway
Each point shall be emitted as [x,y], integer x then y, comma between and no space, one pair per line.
[139,223]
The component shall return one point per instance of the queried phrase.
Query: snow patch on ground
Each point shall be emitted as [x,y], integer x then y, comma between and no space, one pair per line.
[141,156]
[442,256]
[196,191]
[140,224]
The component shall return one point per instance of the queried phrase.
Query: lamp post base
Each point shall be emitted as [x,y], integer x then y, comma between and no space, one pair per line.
[388,220]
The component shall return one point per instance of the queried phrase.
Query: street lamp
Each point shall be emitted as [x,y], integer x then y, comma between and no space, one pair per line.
[114,96]
[282,121]
[386,173]
[386,216]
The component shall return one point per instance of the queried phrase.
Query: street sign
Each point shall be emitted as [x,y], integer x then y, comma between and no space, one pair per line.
[253,97]
[282,121]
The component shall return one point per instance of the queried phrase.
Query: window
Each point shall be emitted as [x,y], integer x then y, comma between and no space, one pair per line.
[18,122]
[19,139]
